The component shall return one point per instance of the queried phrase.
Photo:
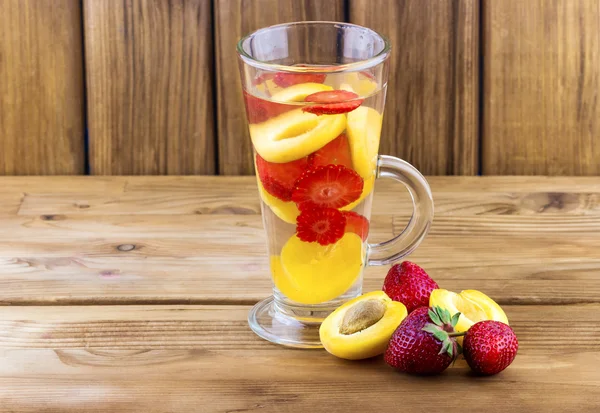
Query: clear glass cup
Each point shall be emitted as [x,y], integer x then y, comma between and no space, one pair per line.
[314,95]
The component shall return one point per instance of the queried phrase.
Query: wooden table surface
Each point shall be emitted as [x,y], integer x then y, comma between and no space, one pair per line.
[128,294]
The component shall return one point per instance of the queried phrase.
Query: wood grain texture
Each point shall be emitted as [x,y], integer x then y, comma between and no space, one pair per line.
[150,87]
[219,328]
[204,358]
[542,76]
[107,240]
[432,107]
[41,88]
[234,19]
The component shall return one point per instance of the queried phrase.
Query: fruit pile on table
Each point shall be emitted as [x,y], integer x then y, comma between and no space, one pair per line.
[315,155]
[420,328]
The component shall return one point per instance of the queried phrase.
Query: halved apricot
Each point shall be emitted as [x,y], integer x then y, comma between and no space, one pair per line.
[362,327]
[473,306]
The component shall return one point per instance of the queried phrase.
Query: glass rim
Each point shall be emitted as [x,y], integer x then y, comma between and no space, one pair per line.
[335,68]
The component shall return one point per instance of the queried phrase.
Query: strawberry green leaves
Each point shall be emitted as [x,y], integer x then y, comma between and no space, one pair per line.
[442,328]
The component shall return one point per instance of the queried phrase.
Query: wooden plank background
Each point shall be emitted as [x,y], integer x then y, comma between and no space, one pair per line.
[41,88]
[431,114]
[542,77]
[150,87]
[477,86]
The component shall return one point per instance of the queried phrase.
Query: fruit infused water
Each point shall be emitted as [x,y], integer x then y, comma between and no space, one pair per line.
[316,139]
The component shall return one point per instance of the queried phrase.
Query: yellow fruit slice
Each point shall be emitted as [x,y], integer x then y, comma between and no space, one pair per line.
[364,130]
[359,84]
[287,211]
[491,308]
[311,273]
[367,189]
[295,134]
[268,87]
[473,305]
[297,93]
[362,327]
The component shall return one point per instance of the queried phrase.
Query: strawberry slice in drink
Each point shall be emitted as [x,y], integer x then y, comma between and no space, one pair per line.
[332,102]
[278,179]
[357,224]
[322,225]
[283,79]
[336,152]
[329,186]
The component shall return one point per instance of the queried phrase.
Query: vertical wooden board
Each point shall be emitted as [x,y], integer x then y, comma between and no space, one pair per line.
[432,109]
[541,82]
[233,19]
[150,87]
[41,88]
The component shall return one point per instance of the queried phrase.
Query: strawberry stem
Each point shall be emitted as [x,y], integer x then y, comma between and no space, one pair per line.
[457,334]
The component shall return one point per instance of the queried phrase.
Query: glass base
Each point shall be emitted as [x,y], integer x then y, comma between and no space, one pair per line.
[285,323]
[268,321]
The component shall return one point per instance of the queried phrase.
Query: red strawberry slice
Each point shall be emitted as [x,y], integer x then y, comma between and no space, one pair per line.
[322,225]
[328,186]
[336,152]
[357,224]
[283,79]
[332,102]
[367,74]
[278,179]
[260,110]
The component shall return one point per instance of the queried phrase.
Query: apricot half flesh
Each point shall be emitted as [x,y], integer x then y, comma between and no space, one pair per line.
[362,327]
[473,306]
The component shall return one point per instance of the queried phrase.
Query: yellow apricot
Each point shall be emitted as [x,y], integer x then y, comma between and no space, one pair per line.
[362,327]
[473,306]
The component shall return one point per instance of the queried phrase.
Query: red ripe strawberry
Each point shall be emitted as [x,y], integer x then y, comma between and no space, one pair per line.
[490,347]
[283,79]
[332,102]
[323,225]
[260,110]
[336,152]
[409,284]
[278,179]
[422,343]
[357,224]
[328,186]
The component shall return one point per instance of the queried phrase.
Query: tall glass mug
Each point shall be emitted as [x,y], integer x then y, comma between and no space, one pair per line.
[314,94]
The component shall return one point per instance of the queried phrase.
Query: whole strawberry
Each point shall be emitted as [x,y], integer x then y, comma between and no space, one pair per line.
[409,284]
[490,347]
[422,344]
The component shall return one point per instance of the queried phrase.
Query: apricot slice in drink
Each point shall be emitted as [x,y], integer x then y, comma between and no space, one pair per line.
[297,93]
[311,273]
[295,134]
[362,327]
[286,211]
[364,130]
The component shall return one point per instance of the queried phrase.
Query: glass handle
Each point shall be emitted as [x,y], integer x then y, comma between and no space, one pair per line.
[404,243]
